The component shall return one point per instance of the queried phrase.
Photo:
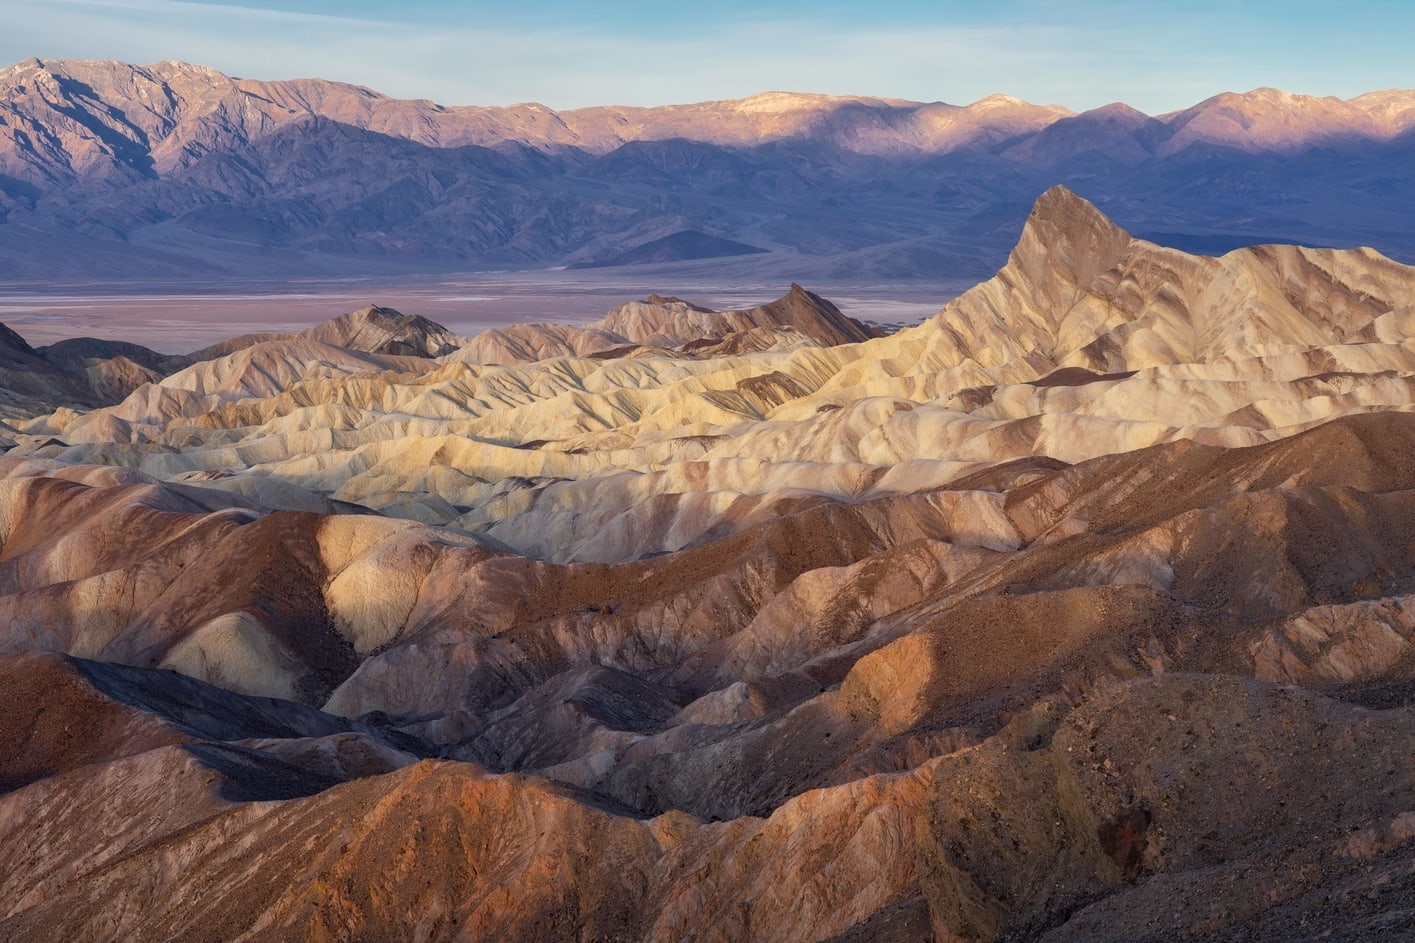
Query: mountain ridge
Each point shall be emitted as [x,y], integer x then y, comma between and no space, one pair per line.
[1088,341]
[173,169]
[1383,112]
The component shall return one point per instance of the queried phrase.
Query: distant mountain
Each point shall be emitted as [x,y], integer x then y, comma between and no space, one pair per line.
[119,171]
[679,247]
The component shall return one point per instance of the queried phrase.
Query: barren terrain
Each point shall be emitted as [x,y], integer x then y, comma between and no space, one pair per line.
[173,171]
[1083,610]
[177,317]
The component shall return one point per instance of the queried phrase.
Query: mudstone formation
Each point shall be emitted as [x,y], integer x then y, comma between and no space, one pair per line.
[1082,611]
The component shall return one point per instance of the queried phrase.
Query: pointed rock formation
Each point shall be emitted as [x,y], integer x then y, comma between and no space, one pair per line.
[1087,342]
[671,323]
[377,330]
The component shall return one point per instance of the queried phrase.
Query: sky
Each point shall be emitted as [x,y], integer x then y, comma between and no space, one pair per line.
[1157,56]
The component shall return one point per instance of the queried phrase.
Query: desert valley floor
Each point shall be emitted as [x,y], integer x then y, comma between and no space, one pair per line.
[1081,611]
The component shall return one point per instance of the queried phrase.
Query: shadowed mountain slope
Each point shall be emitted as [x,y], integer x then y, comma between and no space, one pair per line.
[173,170]
[677,247]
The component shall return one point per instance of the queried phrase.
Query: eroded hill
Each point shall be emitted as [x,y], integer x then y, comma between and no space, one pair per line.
[1081,611]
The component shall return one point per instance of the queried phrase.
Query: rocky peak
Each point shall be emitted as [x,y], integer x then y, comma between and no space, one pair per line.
[1117,112]
[776,102]
[379,330]
[657,299]
[812,315]
[1393,110]
[997,100]
[667,321]
[1067,227]
[11,341]
[1269,119]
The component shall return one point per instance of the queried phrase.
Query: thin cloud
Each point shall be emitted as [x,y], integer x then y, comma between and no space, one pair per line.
[1080,60]
[224,11]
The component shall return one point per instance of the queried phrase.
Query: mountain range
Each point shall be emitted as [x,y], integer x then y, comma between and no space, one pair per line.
[115,171]
[1081,611]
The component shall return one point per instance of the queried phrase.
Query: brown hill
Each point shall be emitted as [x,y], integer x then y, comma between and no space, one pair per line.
[671,323]
[1082,611]
[378,330]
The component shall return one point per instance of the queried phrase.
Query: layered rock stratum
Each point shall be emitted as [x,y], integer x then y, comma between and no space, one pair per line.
[1081,611]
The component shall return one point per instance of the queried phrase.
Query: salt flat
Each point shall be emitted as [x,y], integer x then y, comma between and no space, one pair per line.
[176,317]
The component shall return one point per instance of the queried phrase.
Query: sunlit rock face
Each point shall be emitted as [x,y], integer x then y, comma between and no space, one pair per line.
[1081,611]
[666,424]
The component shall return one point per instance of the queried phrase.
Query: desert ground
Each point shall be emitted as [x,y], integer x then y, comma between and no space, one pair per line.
[173,318]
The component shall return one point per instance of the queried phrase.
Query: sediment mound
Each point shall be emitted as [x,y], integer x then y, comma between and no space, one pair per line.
[1082,611]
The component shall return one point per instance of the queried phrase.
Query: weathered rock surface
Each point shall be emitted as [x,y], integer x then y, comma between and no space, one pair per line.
[1082,611]
[675,324]
[1185,806]
[1088,342]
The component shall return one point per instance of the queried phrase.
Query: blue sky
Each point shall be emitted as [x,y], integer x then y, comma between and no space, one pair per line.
[1157,56]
